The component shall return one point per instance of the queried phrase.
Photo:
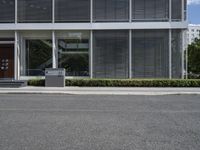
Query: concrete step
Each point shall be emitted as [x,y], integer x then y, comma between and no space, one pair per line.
[12,83]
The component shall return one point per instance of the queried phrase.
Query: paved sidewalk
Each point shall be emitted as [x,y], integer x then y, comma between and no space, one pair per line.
[100,91]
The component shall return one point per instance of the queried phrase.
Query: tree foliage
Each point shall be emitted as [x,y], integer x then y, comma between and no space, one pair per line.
[194,57]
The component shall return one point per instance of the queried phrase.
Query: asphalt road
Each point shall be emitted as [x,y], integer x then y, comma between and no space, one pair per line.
[67,122]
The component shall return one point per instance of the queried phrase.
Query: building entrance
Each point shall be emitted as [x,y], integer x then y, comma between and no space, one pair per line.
[6,61]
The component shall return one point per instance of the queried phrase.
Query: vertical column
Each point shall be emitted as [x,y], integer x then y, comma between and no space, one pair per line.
[130,54]
[91,11]
[170,54]
[53,11]
[130,40]
[183,50]
[91,54]
[183,9]
[54,52]
[16,11]
[170,10]
[170,40]
[16,57]
[130,11]
[186,61]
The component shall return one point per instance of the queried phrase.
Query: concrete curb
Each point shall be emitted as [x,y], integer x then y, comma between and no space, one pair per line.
[101,91]
[74,93]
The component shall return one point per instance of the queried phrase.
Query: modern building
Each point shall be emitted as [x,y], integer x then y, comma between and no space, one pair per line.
[93,38]
[193,32]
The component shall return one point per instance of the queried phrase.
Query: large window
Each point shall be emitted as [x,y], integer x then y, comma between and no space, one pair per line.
[34,11]
[73,53]
[111,10]
[7,11]
[38,56]
[72,10]
[176,10]
[110,54]
[150,10]
[176,54]
[150,54]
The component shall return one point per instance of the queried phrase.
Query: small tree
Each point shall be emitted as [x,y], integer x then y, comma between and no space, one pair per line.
[194,57]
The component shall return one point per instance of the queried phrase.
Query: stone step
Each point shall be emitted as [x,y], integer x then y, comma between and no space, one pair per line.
[13,83]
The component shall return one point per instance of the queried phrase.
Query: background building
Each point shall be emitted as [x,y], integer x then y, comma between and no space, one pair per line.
[93,38]
[193,32]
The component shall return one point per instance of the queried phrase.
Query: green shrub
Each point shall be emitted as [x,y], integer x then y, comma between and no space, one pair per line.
[36,82]
[123,83]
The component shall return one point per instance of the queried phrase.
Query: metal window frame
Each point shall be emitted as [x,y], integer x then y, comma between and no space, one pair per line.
[130,54]
[170,54]
[91,57]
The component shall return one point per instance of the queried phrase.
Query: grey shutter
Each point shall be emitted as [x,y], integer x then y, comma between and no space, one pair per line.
[150,10]
[111,10]
[162,10]
[35,11]
[138,8]
[176,10]
[111,54]
[7,11]
[176,54]
[72,10]
[150,54]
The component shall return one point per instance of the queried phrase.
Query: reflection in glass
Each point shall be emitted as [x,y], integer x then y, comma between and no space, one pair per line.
[73,56]
[38,57]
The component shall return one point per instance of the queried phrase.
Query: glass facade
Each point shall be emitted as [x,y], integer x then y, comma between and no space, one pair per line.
[7,11]
[72,10]
[150,10]
[87,43]
[73,53]
[34,11]
[150,54]
[111,54]
[38,56]
[111,10]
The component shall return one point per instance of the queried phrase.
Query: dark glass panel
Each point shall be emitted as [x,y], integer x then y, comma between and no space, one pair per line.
[72,10]
[176,54]
[34,11]
[38,57]
[150,10]
[74,56]
[150,54]
[111,54]
[7,11]
[111,10]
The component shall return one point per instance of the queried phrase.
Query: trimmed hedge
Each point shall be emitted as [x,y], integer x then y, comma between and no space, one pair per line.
[36,82]
[123,83]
